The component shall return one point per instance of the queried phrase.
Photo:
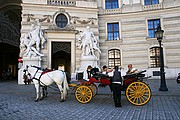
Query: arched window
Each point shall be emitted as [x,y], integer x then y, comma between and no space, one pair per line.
[154,57]
[114,58]
[61,20]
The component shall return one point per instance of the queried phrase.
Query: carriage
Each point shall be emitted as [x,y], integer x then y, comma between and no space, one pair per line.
[137,92]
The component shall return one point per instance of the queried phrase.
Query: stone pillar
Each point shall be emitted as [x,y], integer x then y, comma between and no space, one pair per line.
[27,61]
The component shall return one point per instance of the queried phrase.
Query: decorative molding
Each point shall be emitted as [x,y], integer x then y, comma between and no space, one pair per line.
[29,17]
[53,26]
[49,18]
[74,19]
[69,27]
[77,19]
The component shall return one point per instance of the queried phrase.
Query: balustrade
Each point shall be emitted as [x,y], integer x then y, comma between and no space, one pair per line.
[61,2]
[153,7]
[112,11]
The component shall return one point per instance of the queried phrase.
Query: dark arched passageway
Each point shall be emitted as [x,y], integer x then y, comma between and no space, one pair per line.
[10,19]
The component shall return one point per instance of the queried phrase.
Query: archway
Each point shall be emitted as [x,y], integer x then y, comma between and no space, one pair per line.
[10,19]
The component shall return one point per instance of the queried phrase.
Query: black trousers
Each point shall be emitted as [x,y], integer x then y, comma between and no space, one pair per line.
[116,88]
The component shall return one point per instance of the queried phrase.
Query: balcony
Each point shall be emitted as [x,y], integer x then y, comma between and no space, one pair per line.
[62,2]
[153,7]
[112,11]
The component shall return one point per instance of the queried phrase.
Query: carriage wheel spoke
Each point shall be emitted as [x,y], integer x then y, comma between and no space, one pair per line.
[83,94]
[138,93]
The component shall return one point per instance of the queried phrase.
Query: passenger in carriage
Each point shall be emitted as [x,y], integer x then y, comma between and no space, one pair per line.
[116,87]
[89,73]
[131,69]
[104,70]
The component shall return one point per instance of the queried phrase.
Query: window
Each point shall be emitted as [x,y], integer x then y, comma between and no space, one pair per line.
[152,26]
[151,2]
[113,31]
[111,4]
[155,57]
[61,20]
[114,58]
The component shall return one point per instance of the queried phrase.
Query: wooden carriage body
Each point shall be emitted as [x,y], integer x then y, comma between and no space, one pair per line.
[136,91]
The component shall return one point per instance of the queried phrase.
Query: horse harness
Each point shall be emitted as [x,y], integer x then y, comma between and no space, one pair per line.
[40,82]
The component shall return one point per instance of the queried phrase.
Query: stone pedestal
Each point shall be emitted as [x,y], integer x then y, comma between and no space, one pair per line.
[27,61]
[88,60]
[85,62]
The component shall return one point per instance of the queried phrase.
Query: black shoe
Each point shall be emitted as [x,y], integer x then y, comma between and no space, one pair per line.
[118,105]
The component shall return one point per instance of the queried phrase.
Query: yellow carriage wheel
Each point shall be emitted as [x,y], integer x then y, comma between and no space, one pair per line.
[138,93]
[83,94]
[94,89]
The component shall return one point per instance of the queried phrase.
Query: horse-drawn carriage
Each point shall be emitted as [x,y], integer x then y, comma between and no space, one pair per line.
[137,92]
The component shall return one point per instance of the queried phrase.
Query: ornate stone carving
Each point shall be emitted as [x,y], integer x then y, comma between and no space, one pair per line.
[87,21]
[29,17]
[69,27]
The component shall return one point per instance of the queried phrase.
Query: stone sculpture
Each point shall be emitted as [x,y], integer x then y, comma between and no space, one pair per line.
[32,41]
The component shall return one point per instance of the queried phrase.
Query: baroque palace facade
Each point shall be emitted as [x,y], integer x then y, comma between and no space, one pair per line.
[124,29]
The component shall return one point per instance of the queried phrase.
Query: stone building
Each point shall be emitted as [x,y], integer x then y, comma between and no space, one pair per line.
[124,29]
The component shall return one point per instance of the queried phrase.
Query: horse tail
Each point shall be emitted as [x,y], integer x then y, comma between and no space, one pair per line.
[65,85]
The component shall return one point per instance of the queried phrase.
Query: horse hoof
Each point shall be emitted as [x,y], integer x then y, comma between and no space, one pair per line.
[61,100]
[41,98]
[36,100]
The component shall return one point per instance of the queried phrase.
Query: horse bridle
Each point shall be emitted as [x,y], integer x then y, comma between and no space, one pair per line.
[34,74]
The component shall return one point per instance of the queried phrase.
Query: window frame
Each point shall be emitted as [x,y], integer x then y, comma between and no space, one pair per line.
[113,32]
[116,61]
[154,27]
[154,57]
[150,2]
[61,21]
[111,6]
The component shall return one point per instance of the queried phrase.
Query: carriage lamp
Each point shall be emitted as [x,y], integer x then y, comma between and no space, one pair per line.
[159,35]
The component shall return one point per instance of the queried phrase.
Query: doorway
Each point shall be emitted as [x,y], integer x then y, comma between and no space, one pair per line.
[61,55]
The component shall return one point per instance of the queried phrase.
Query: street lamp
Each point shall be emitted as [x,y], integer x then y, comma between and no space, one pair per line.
[159,36]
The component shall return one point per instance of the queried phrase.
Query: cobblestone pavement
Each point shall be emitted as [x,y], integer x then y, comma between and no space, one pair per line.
[17,103]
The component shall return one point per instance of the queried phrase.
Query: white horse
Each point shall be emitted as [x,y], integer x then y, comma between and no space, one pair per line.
[43,80]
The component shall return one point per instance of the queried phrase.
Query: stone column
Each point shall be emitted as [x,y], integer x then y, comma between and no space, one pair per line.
[27,61]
